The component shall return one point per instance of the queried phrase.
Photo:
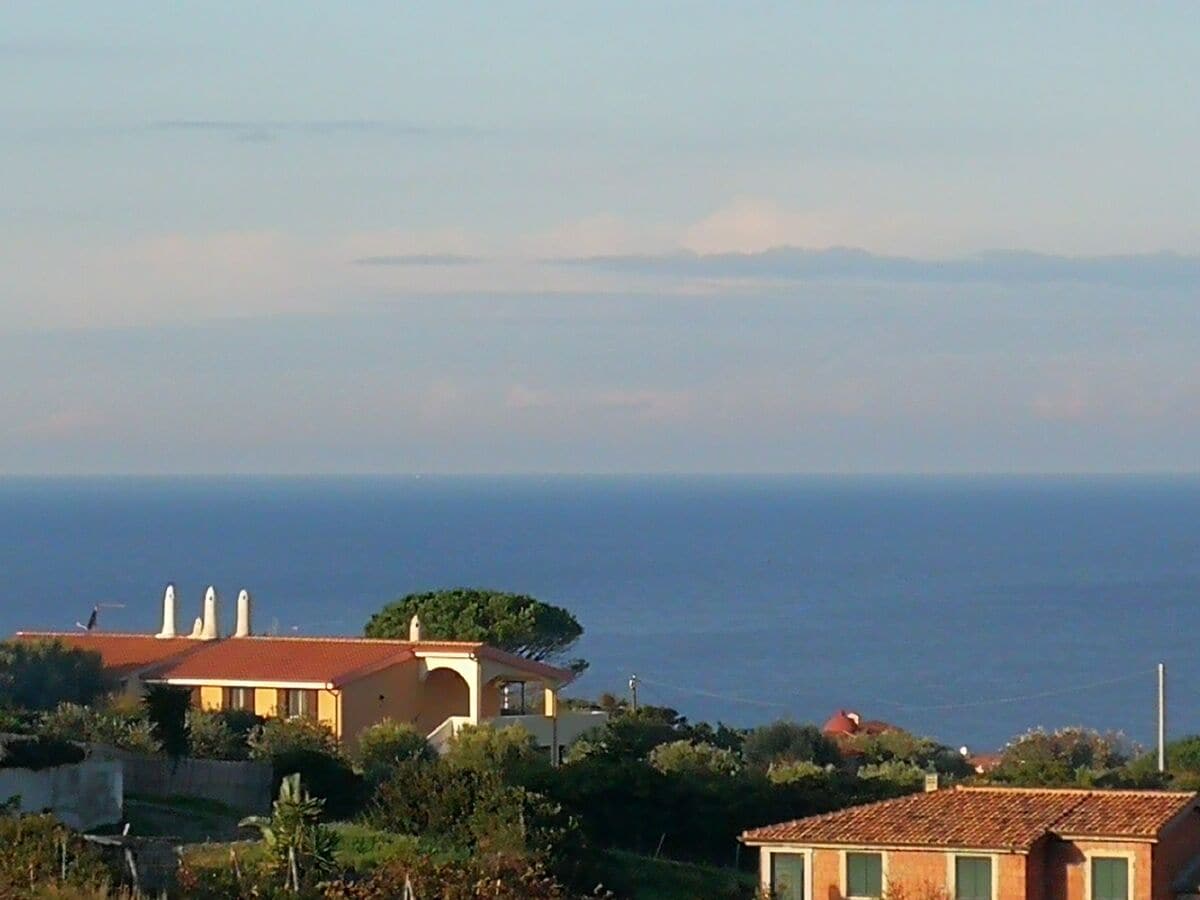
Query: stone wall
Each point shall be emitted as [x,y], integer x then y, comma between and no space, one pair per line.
[243,785]
[84,795]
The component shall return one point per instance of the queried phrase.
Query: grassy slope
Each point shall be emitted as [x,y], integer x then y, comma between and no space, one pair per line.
[662,879]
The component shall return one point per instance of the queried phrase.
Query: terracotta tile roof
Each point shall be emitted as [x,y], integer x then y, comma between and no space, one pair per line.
[284,660]
[985,818]
[122,653]
[528,665]
[324,660]
[1127,814]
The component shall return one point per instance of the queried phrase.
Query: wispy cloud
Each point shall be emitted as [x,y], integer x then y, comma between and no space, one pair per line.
[841,263]
[272,129]
[419,259]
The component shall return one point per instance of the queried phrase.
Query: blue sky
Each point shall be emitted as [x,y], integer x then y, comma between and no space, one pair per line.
[304,237]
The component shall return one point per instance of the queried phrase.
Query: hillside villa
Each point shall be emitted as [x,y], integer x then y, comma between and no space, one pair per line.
[347,683]
[990,843]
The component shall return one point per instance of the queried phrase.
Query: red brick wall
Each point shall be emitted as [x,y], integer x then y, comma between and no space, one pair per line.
[921,873]
[1067,862]
[1053,870]
[1177,846]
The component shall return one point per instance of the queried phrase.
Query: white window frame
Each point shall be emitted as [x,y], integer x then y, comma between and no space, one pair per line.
[766,864]
[952,872]
[844,864]
[1130,858]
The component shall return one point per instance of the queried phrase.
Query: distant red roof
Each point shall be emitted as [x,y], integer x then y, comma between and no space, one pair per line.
[122,654]
[841,722]
[844,724]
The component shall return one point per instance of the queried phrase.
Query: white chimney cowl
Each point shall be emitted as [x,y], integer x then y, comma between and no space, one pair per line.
[212,629]
[243,615]
[168,622]
[414,629]
[197,629]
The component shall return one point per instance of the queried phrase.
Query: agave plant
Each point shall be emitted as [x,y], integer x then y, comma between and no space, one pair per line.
[299,844]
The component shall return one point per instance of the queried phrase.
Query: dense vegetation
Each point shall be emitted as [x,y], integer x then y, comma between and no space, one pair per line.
[38,675]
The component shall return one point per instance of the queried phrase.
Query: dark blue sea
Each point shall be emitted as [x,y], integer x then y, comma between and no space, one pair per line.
[966,608]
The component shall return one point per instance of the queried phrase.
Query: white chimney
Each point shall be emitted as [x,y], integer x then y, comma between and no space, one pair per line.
[168,625]
[243,614]
[197,629]
[212,628]
[414,629]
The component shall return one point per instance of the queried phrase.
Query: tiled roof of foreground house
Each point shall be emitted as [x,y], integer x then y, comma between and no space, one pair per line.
[986,819]
[123,654]
[295,660]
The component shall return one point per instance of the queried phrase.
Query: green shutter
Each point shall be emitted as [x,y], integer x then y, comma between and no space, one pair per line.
[864,874]
[787,876]
[972,878]
[1110,878]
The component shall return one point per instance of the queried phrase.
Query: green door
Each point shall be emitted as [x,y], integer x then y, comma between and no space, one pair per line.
[1110,878]
[787,876]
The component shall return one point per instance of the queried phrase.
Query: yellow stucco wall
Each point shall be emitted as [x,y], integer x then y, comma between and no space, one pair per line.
[265,702]
[391,693]
[443,694]
[211,697]
[328,712]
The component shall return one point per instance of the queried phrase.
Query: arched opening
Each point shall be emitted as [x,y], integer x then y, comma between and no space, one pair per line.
[444,693]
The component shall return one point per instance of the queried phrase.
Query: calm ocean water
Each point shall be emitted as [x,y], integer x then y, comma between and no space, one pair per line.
[970,609]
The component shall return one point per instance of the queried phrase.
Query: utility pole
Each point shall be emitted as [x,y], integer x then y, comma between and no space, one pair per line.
[1162,717]
[633,686]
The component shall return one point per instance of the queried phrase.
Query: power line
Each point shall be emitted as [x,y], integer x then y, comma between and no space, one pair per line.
[1017,699]
[991,701]
[713,694]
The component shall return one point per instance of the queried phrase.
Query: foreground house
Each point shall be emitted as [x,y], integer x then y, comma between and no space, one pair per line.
[990,844]
[347,683]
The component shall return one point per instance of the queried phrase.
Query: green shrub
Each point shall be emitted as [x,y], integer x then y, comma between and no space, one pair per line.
[18,721]
[470,808]
[211,737]
[361,849]
[631,735]
[166,709]
[904,775]
[1068,756]
[326,777]
[695,759]
[788,742]
[790,772]
[488,877]
[118,726]
[31,849]
[385,744]
[38,753]
[39,675]
[279,736]
[510,752]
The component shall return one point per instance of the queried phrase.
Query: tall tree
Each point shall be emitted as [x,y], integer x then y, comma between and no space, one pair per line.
[42,674]
[514,622]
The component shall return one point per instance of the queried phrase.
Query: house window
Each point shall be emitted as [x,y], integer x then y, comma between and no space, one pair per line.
[295,704]
[787,876]
[864,875]
[238,698]
[1110,878]
[972,878]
